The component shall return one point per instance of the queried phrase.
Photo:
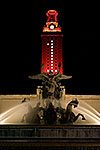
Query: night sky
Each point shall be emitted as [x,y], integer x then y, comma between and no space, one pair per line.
[20,54]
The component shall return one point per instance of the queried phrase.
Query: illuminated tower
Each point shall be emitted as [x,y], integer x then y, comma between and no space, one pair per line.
[52,44]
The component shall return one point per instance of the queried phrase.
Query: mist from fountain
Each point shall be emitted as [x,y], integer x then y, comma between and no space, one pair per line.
[15,114]
[27,113]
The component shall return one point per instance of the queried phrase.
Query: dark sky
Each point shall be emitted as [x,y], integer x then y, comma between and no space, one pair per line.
[20,53]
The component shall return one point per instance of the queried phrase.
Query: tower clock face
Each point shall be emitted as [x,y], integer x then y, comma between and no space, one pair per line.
[52,26]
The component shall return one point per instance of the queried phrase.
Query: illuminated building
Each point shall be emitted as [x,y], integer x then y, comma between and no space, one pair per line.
[52,44]
[28,136]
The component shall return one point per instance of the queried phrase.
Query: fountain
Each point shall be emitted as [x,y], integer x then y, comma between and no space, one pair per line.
[32,113]
[51,108]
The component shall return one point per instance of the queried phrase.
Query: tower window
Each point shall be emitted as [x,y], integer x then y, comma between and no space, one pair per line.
[51,40]
[55,70]
[51,55]
[51,64]
[51,50]
[51,46]
[51,43]
[51,58]
[47,70]
[51,61]
[47,43]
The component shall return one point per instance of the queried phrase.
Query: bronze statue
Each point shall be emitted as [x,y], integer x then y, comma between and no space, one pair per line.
[51,90]
[51,85]
[50,115]
[67,115]
[59,115]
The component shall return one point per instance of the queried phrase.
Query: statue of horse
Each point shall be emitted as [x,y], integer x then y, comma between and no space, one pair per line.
[67,116]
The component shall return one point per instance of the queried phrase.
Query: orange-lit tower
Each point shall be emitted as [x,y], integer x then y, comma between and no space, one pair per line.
[52,44]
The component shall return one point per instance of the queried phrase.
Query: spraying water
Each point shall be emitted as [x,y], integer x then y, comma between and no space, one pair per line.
[27,113]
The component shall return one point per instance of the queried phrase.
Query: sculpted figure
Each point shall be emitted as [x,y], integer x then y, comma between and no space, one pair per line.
[67,115]
[51,85]
[50,115]
[51,91]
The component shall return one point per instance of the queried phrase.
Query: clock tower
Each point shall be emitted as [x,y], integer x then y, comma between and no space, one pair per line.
[52,44]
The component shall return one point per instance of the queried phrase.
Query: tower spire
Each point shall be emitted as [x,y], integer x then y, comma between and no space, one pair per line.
[52,22]
[52,16]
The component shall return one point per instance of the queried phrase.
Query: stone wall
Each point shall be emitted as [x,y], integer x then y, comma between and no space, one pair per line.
[64,137]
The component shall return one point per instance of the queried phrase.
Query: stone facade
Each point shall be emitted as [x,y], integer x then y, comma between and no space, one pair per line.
[46,137]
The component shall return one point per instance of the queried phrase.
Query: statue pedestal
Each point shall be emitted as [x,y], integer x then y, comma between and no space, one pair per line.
[39,92]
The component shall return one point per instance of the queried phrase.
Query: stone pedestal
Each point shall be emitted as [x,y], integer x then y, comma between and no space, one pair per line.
[35,137]
[39,92]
